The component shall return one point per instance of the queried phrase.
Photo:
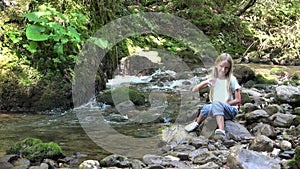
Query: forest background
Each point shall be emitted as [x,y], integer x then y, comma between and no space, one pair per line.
[41,39]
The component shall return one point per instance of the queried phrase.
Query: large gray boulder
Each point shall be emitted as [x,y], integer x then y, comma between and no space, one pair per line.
[240,158]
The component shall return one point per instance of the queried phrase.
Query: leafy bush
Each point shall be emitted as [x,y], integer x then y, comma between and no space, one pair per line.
[54,39]
[275,27]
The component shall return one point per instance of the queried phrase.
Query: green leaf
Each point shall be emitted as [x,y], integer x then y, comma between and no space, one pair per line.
[36,16]
[59,48]
[31,47]
[34,32]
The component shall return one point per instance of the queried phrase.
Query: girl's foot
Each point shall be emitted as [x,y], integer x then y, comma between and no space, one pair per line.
[191,127]
[220,132]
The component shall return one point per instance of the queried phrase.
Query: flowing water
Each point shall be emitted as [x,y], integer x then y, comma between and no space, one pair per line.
[65,128]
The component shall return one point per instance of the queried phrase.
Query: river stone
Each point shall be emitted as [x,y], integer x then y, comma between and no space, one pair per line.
[249,107]
[89,164]
[264,129]
[272,109]
[175,135]
[256,115]
[288,94]
[209,165]
[262,143]
[285,145]
[282,120]
[236,131]
[4,161]
[240,158]
[115,160]
[150,159]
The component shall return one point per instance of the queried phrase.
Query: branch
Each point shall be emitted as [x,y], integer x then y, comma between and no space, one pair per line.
[246,4]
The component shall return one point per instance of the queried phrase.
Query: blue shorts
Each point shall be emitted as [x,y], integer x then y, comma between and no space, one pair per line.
[218,108]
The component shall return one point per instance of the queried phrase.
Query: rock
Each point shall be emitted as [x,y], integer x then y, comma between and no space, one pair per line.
[176,135]
[285,145]
[288,94]
[243,73]
[115,160]
[297,111]
[249,107]
[262,143]
[282,120]
[4,161]
[264,129]
[272,109]
[89,164]
[209,165]
[236,131]
[240,158]
[256,116]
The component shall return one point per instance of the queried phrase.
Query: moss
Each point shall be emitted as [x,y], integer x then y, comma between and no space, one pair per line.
[295,76]
[265,79]
[277,71]
[35,150]
[294,162]
[297,110]
[245,97]
[119,95]
[249,84]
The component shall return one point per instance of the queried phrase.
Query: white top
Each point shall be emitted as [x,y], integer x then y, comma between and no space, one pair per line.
[220,91]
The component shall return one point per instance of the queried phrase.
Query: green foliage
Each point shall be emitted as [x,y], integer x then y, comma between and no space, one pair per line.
[118,95]
[35,150]
[53,38]
[275,26]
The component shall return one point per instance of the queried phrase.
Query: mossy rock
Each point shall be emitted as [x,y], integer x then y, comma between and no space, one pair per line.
[243,73]
[265,79]
[297,110]
[277,70]
[245,97]
[249,84]
[35,150]
[119,95]
[295,162]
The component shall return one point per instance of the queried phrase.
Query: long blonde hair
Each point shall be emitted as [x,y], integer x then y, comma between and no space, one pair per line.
[223,57]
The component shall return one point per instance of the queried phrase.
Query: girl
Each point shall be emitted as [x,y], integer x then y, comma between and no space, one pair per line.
[224,96]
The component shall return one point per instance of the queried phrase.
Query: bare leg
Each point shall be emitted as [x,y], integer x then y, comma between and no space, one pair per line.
[220,122]
[200,119]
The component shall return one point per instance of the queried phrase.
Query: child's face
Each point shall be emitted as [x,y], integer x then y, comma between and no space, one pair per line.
[223,68]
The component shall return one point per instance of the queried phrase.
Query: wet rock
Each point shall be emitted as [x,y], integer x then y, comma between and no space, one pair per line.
[240,158]
[262,143]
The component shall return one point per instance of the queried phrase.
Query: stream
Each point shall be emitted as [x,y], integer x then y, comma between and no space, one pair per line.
[66,129]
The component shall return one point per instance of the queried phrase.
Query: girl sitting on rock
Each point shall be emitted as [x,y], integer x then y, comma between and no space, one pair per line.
[224,96]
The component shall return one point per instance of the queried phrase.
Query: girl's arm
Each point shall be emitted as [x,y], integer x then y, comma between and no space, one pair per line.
[201,85]
[237,98]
